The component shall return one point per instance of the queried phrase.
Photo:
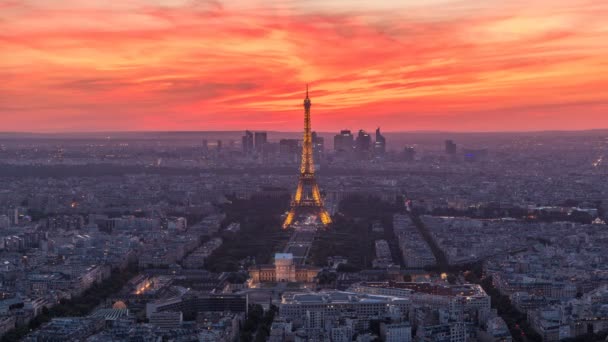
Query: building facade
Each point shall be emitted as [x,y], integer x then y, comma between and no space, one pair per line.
[283,270]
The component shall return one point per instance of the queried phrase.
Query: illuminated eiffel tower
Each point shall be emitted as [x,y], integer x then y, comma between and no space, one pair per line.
[307,198]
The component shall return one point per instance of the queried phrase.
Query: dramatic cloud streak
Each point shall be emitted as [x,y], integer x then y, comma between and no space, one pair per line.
[223,65]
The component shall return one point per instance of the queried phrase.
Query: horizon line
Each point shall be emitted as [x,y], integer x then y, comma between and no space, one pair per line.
[299,131]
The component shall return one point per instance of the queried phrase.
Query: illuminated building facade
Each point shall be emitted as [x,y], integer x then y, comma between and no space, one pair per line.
[283,270]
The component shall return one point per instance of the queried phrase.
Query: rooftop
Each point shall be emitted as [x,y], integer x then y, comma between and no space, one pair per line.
[278,256]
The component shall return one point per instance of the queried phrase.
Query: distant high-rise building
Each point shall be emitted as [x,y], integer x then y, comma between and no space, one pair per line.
[380,144]
[343,142]
[261,138]
[218,147]
[289,146]
[318,146]
[363,145]
[364,141]
[271,148]
[450,147]
[248,142]
[409,153]
[205,146]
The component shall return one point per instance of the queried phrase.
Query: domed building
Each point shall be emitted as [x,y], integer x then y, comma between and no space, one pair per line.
[119,305]
[283,270]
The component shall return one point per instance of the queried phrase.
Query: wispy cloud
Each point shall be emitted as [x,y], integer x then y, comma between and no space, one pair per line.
[184,64]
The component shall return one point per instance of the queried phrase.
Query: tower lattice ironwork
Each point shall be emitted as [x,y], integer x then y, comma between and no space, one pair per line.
[307,198]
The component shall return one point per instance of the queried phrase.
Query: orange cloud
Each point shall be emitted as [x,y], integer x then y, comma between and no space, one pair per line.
[210,65]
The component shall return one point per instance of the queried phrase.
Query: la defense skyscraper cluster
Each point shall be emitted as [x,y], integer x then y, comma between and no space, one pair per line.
[307,199]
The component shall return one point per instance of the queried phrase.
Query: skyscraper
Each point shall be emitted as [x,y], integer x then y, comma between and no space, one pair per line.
[318,146]
[260,141]
[363,145]
[380,144]
[288,147]
[307,198]
[248,143]
[343,142]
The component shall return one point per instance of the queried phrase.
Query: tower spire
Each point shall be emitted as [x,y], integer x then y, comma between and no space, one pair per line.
[306,90]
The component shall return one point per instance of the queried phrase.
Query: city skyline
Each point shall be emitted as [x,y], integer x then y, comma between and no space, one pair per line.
[218,66]
[460,237]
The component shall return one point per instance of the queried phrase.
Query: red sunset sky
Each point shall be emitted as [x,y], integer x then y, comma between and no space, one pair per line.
[453,65]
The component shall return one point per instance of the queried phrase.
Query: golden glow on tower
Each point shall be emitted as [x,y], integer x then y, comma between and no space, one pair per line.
[324,215]
[298,197]
[312,199]
[289,219]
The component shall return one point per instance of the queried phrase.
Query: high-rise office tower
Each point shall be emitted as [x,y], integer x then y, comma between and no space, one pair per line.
[247,142]
[288,146]
[318,146]
[343,142]
[307,198]
[380,144]
[260,141]
[363,145]
[364,141]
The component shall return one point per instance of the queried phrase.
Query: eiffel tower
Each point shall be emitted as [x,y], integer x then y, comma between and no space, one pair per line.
[307,199]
